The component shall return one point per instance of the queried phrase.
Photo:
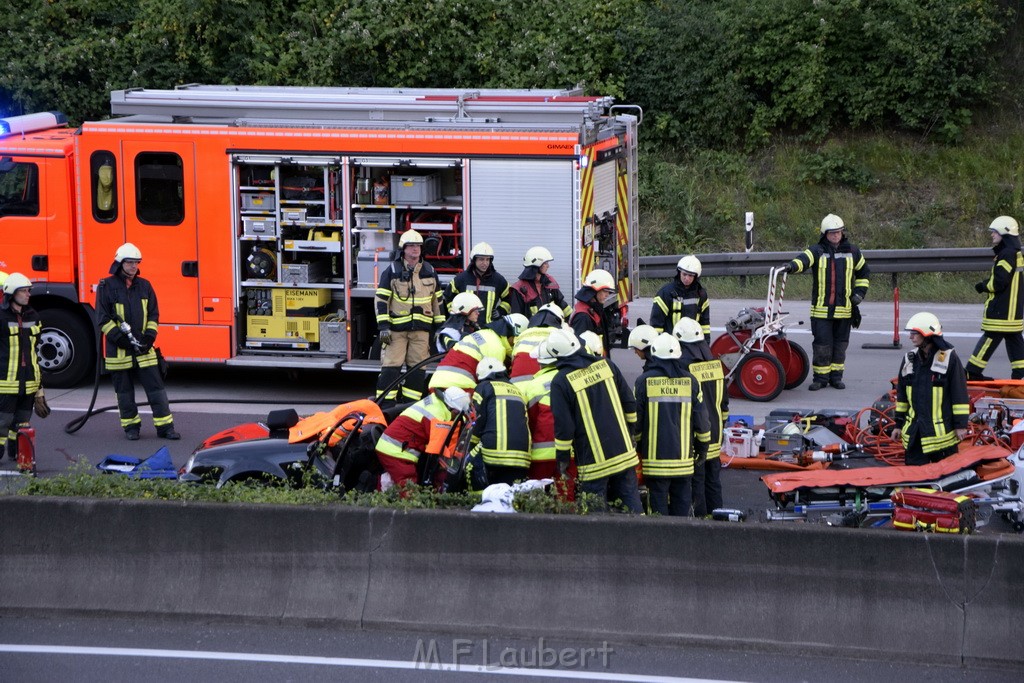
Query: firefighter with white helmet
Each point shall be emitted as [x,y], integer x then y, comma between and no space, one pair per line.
[21,388]
[594,413]
[708,371]
[408,310]
[672,427]
[591,312]
[458,367]
[524,364]
[840,284]
[501,432]
[1003,316]
[484,281]
[463,318]
[129,318]
[683,297]
[536,287]
[932,405]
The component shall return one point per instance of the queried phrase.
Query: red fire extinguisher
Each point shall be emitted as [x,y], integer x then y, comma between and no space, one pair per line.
[27,450]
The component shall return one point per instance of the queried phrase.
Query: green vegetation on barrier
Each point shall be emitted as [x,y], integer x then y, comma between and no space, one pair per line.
[81,481]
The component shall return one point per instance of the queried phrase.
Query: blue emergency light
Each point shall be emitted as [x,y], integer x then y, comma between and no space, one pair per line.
[29,123]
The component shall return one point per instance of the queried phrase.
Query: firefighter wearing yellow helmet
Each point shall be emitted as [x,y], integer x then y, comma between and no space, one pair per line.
[484,281]
[840,283]
[20,385]
[683,297]
[591,313]
[129,319]
[408,303]
[1003,318]
[536,286]
[932,406]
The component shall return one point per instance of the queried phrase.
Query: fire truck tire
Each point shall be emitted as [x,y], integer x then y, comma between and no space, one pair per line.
[760,376]
[66,349]
[798,367]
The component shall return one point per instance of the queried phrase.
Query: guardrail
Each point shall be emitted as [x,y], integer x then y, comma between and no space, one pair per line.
[879,260]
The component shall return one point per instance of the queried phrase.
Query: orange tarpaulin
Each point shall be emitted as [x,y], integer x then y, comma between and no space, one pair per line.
[318,423]
[782,482]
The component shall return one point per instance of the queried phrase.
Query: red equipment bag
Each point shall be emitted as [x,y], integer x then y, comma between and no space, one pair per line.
[929,510]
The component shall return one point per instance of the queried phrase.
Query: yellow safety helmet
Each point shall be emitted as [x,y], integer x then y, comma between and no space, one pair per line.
[924,323]
[1005,225]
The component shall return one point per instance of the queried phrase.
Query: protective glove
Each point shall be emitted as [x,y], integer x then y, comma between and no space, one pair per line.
[855,299]
[41,408]
[981,287]
[788,267]
[385,337]
[122,341]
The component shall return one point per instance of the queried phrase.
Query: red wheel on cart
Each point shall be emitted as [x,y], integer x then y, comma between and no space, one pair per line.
[799,365]
[759,376]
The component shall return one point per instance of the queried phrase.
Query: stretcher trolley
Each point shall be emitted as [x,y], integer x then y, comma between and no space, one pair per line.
[990,474]
[760,360]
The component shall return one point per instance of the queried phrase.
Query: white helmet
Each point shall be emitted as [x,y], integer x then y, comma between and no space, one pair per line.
[518,322]
[553,309]
[129,251]
[593,343]
[464,303]
[562,342]
[409,237]
[456,399]
[689,264]
[543,353]
[537,256]
[688,331]
[1005,225]
[641,336]
[666,346]
[924,323]
[14,282]
[487,367]
[599,280]
[481,249]
[831,222]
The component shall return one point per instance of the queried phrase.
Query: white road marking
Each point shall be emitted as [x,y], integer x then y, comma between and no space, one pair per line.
[443,668]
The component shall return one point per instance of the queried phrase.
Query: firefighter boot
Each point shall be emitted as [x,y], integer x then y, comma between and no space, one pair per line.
[821,361]
[835,379]
[132,433]
[168,433]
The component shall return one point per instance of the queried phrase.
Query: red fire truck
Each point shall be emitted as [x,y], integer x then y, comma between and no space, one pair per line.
[265,214]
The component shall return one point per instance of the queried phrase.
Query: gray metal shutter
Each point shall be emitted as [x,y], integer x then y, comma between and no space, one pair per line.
[604,188]
[518,204]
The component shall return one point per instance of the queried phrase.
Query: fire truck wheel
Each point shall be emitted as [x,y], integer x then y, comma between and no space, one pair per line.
[66,349]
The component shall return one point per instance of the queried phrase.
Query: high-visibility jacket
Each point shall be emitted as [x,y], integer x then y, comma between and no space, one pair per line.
[931,397]
[839,273]
[501,428]
[675,300]
[537,392]
[709,372]
[526,296]
[491,287]
[671,419]
[18,342]
[1004,307]
[458,367]
[452,331]
[408,299]
[411,434]
[523,364]
[595,413]
[118,301]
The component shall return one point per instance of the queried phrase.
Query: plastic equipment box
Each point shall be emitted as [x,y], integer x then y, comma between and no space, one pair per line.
[417,190]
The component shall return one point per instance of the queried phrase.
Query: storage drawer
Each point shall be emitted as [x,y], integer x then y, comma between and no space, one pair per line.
[372,220]
[305,272]
[258,201]
[415,189]
[259,227]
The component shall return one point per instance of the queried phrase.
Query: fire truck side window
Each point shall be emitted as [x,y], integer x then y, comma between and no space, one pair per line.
[19,188]
[159,188]
[103,171]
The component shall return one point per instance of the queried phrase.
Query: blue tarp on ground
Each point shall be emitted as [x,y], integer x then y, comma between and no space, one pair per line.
[156,466]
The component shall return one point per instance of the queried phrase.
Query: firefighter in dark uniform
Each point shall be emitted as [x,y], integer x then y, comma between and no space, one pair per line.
[463,320]
[408,310]
[840,284]
[481,279]
[698,360]
[535,287]
[684,297]
[673,428]
[501,431]
[595,414]
[932,406]
[590,313]
[1003,318]
[129,317]
[20,387]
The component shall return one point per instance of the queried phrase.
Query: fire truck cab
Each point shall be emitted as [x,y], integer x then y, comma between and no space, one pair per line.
[265,215]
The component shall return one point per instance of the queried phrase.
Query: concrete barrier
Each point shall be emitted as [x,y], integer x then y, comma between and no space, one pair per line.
[793,588]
